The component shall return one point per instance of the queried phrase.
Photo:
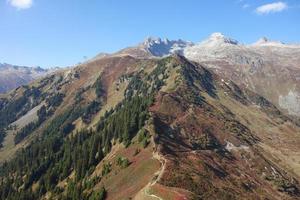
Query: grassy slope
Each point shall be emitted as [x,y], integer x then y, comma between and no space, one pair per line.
[125,183]
[280,140]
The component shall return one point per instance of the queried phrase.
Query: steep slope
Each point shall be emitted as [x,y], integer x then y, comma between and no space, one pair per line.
[121,127]
[96,96]
[12,76]
[223,142]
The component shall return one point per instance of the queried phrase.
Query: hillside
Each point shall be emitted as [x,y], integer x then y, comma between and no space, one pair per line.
[121,127]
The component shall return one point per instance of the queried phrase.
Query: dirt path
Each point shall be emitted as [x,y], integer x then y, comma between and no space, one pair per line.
[145,192]
[159,173]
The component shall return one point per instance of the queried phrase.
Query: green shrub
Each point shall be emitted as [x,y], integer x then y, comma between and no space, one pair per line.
[143,137]
[123,162]
[100,195]
[106,169]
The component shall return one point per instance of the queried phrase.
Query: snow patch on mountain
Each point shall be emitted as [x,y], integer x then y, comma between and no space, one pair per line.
[290,102]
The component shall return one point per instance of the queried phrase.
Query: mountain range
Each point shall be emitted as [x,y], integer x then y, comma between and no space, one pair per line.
[12,76]
[270,68]
[166,119]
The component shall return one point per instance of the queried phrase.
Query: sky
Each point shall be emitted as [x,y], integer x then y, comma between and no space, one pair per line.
[50,33]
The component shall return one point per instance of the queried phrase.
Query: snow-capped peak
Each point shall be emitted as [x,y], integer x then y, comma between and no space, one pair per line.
[219,38]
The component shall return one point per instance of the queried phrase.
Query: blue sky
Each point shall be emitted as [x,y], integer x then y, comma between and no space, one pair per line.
[61,32]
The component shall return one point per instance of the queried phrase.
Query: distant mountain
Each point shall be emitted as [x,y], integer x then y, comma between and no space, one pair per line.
[12,76]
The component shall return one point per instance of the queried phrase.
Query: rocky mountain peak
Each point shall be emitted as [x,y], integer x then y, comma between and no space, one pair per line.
[149,41]
[162,47]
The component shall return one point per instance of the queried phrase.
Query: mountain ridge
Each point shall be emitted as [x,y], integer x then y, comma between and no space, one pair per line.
[251,65]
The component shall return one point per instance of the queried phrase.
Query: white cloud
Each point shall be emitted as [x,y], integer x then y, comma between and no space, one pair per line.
[271,8]
[21,4]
